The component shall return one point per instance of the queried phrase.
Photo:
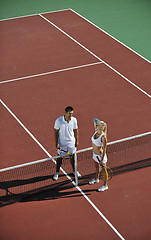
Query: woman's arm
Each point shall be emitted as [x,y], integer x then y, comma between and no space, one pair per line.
[96,123]
[104,141]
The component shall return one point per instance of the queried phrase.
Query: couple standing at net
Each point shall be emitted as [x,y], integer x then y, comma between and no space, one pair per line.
[66,138]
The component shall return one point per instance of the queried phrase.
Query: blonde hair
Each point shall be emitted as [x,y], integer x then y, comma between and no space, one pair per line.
[104,127]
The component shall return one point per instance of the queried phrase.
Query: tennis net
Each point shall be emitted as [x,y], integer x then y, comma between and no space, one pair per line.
[21,180]
[123,155]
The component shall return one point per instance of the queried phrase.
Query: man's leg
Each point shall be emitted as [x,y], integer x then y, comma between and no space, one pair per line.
[72,161]
[58,165]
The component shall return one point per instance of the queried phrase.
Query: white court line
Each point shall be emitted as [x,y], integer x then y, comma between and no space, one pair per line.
[34,14]
[47,73]
[140,89]
[83,194]
[30,15]
[110,36]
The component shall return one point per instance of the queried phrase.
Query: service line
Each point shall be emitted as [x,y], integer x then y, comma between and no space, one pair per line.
[101,60]
[47,73]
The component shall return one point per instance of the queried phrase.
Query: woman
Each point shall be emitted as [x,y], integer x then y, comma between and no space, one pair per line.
[99,144]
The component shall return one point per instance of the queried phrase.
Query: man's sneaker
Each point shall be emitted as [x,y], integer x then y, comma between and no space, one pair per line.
[94,181]
[78,174]
[55,176]
[103,188]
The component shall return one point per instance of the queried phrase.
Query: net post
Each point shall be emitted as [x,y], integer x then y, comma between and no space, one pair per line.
[75,168]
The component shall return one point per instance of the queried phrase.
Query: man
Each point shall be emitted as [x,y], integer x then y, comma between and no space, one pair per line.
[66,138]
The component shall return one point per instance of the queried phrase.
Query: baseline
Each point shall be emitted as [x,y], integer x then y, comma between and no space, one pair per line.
[34,14]
[61,10]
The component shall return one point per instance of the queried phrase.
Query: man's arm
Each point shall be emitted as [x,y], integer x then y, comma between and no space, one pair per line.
[56,133]
[76,135]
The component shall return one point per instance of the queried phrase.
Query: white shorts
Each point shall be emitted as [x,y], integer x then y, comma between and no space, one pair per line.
[63,151]
[98,158]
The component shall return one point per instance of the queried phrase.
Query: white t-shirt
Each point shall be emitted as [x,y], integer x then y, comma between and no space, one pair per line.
[66,133]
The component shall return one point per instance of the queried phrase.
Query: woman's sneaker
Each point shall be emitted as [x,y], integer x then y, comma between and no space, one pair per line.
[94,181]
[103,188]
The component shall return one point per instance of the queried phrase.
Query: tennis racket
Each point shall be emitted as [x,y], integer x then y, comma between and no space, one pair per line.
[106,173]
[64,154]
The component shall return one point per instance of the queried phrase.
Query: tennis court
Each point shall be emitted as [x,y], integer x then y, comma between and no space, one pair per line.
[56,59]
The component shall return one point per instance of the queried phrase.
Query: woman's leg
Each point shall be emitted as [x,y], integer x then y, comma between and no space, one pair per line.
[97,167]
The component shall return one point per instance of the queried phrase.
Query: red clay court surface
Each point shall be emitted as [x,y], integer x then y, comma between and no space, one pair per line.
[57,59]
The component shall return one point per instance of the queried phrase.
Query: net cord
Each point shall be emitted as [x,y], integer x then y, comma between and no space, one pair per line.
[30,163]
[117,141]
[110,143]
[79,151]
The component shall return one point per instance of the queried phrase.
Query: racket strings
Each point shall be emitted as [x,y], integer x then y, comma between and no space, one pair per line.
[106,174]
[64,154]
